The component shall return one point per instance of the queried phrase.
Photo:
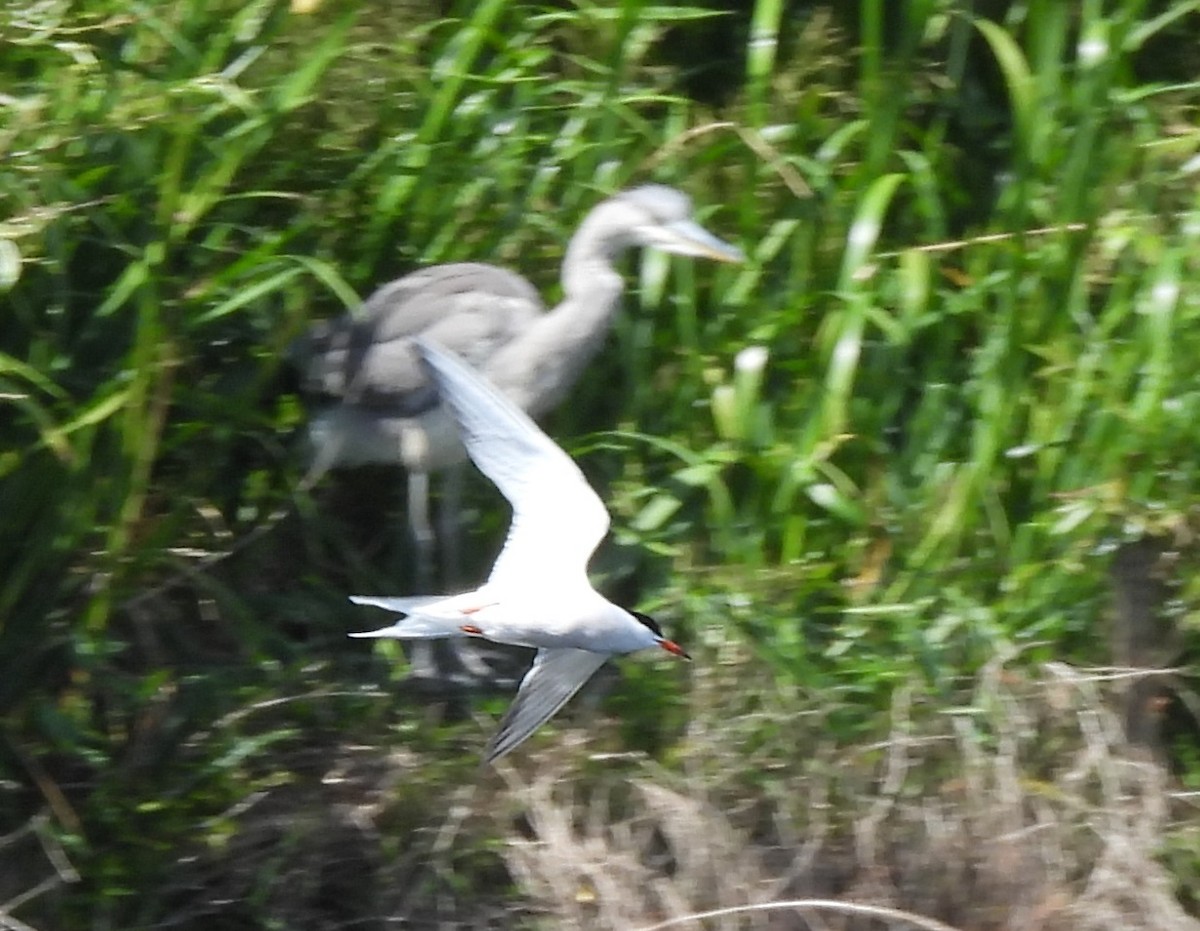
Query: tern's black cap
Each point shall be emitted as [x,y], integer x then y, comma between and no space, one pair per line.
[649,622]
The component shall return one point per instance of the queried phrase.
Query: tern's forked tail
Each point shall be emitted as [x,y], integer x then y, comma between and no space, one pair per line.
[402,605]
[414,625]
[417,627]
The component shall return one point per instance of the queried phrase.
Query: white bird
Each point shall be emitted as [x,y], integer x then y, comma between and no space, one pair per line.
[538,594]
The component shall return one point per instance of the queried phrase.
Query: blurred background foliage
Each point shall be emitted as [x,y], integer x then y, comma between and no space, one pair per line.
[972,231]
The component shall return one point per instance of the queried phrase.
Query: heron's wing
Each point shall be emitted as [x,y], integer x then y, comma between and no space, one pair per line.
[366,357]
[444,300]
[558,520]
[555,676]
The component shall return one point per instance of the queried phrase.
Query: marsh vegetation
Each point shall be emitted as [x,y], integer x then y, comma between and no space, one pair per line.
[934,554]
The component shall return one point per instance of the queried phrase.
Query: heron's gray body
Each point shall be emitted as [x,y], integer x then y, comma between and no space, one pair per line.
[384,409]
[383,405]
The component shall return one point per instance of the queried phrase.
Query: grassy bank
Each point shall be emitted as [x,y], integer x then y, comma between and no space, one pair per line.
[962,481]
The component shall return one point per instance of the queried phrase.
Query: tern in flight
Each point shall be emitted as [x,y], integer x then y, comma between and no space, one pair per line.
[538,594]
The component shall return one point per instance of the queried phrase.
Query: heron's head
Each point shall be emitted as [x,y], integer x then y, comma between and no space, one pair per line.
[661,217]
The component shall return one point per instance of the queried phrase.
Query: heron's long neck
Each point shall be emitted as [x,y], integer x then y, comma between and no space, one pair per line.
[589,258]
[539,368]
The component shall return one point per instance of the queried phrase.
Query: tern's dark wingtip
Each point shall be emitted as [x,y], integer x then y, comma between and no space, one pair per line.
[491,756]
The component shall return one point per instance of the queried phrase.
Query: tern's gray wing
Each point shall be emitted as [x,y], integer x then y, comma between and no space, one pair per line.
[555,676]
[558,520]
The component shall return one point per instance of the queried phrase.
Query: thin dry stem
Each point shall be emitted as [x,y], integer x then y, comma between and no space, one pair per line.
[829,905]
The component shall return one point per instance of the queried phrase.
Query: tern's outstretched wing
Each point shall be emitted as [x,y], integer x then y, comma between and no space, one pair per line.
[558,520]
[555,676]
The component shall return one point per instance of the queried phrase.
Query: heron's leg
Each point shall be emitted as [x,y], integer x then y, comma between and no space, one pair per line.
[422,530]
[323,459]
[421,652]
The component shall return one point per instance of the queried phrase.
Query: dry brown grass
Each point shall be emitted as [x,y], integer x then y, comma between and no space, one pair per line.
[35,864]
[1024,810]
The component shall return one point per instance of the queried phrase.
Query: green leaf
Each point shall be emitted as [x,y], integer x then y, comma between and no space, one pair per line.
[1017,80]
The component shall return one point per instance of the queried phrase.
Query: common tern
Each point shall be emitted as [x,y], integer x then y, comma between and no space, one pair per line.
[538,594]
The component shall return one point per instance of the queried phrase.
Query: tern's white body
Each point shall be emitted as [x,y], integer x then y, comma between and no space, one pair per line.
[525,619]
[538,594]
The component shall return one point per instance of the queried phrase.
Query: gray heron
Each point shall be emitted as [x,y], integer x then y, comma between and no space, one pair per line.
[381,406]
